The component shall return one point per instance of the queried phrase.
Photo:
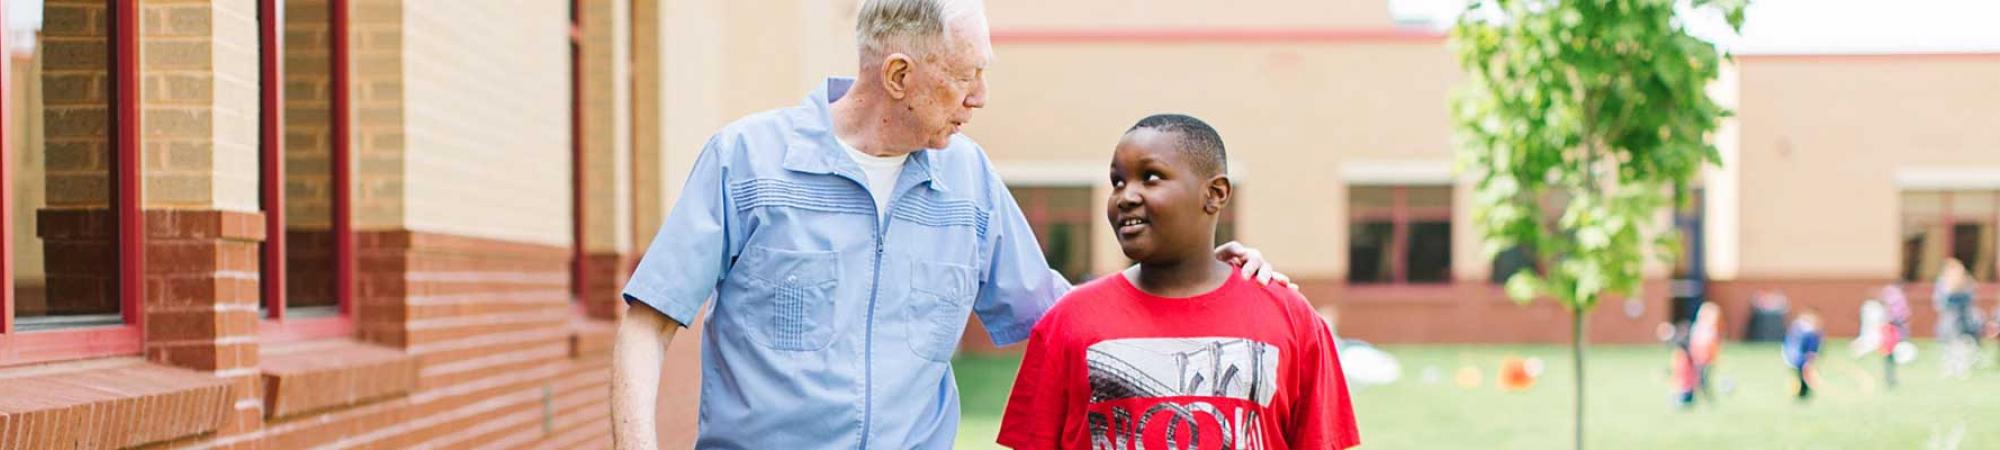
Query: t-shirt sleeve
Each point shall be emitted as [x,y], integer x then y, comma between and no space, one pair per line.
[1323,415]
[1038,407]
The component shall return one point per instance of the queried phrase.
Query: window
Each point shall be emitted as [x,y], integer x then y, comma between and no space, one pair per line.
[1062,218]
[308,243]
[1524,257]
[68,182]
[1399,234]
[1957,224]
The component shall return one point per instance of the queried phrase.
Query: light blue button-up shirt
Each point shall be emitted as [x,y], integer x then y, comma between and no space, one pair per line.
[831,328]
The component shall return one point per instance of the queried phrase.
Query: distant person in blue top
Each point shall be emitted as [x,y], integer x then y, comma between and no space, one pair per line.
[1801,348]
[844,241]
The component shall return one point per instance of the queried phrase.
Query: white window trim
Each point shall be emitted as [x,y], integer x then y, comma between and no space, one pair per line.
[1397,173]
[1948,178]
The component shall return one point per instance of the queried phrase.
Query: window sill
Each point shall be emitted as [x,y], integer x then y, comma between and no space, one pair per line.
[68,344]
[114,403]
[326,374]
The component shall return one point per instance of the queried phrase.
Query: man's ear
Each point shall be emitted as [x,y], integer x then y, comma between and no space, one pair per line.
[1220,192]
[896,72]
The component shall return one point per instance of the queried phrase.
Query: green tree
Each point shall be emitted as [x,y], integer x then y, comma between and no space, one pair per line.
[1600,102]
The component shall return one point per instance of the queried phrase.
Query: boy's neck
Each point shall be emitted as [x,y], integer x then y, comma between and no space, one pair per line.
[1183,277]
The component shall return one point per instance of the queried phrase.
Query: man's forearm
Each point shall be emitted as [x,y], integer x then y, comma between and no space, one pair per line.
[636,357]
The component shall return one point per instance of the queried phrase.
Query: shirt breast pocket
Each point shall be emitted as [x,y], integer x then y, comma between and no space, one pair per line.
[788,297]
[941,297]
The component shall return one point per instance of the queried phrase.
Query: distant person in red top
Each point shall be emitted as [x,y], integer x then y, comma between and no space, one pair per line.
[1175,352]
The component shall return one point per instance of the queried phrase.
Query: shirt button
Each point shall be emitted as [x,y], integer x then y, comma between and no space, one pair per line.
[792,279]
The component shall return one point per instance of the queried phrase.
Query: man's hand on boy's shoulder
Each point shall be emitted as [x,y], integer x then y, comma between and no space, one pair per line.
[1252,264]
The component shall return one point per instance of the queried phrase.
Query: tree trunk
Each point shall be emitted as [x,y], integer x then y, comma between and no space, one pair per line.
[1576,358]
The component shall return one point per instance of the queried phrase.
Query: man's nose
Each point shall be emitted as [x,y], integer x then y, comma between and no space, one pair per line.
[977,98]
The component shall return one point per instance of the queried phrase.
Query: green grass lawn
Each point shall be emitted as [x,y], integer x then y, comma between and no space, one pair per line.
[1629,403]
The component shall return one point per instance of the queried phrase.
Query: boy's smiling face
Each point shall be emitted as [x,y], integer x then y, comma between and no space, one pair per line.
[1162,208]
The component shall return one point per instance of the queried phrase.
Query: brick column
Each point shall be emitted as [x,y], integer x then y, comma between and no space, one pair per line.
[607,153]
[648,125]
[201,302]
[377,128]
[198,76]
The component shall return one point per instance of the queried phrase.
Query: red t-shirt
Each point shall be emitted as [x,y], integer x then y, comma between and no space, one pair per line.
[1245,366]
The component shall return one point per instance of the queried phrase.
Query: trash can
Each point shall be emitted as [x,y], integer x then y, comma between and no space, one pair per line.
[1767,319]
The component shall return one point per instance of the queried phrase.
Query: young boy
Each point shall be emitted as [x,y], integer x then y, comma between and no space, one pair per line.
[1801,348]
[1176,352]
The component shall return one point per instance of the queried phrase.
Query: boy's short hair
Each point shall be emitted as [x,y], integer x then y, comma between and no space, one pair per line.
[1198,141]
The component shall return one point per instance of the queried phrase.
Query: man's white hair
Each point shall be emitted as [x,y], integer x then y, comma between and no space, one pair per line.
[914,27]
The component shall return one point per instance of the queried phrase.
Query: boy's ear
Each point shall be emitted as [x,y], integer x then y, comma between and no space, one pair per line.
[1219,193]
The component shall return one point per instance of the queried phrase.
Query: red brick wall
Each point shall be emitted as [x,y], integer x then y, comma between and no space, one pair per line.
[469,343]
[201,302]
[490,326]
[604,283]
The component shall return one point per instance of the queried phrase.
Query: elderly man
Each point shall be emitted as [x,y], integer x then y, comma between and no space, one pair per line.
[843,257]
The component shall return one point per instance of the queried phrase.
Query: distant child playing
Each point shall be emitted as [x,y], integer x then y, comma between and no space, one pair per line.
[1801,349]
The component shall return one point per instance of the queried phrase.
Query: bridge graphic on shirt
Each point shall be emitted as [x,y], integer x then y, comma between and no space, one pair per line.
[1180,385]
[1227,367]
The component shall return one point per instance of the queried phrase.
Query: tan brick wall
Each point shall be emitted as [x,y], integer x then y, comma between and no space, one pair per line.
[607,124]
[375,117]
[486,101]
[198,117]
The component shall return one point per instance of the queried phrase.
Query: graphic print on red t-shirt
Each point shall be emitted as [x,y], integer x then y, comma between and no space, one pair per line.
[1170,391]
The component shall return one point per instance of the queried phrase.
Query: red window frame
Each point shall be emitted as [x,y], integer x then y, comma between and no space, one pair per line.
[276,327]
[1400,215]
[579,273]
[79,343]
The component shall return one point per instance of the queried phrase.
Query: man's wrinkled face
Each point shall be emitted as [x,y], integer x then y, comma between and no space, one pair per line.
[950,82]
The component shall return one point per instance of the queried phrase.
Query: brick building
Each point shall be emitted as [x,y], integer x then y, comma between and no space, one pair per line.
[302,223]
[402,223]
